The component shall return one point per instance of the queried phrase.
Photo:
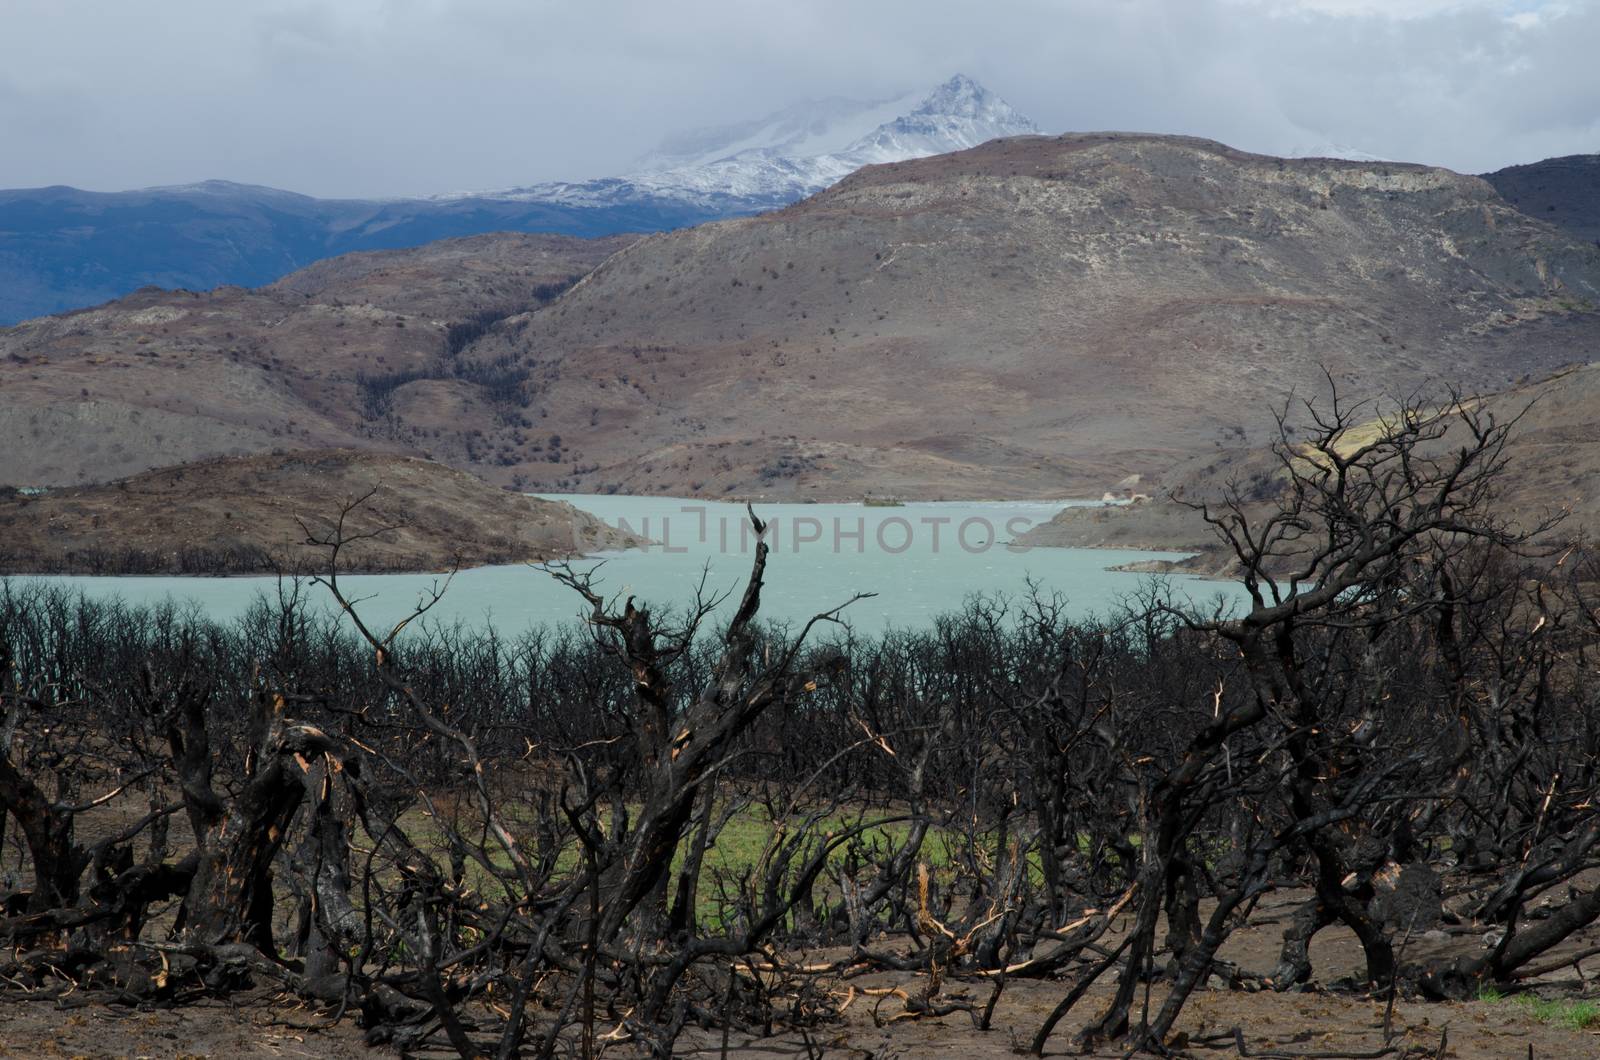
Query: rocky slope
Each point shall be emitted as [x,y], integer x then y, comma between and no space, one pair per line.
[1563,191]
[164,377]
[248,514]
[1035,317]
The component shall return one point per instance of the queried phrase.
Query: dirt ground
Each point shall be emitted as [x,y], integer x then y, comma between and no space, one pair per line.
[1327,1022]
[1316,1023]
[250,1027]
[1274,1025]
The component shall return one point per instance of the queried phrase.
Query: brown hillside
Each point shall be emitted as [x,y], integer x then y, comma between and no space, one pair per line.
[500,272]
[1038,317]
[163,377]
[1034,317]
[244,514]
[1553,456]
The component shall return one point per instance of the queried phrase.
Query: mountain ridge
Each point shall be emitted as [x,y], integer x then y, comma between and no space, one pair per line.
[959,113]
[1564,191]
[1040,315]
[62,248]
[1035,317]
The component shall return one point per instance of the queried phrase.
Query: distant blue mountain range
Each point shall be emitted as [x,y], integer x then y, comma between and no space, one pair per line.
[61,248]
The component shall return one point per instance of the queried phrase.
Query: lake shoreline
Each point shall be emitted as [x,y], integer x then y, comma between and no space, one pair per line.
[922,560]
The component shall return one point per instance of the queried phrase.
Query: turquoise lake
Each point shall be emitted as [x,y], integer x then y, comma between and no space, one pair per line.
[920,559]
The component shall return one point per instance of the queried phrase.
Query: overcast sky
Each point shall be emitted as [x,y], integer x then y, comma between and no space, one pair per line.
[395,97]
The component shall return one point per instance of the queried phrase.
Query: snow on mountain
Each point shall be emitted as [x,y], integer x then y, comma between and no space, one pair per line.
[804,130]
[958,114]
[1329,149]
[794,152]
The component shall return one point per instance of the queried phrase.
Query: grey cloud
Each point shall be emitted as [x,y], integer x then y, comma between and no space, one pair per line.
[391,97]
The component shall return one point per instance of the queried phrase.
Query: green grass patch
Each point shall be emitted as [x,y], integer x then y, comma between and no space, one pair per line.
[1572,1013]
[739,848]
[1562,1012]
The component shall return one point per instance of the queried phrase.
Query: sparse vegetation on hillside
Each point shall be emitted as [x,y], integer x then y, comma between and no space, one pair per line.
[364,351]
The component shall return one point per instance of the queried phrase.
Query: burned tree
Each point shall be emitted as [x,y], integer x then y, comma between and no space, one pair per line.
[504,847]
[1325,745]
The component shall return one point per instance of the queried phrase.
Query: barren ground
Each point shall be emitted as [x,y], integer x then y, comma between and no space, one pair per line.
[1317,1023]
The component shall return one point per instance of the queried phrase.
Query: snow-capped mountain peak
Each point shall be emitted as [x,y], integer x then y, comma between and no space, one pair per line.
[958,114]
[795,152]
[963,97]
